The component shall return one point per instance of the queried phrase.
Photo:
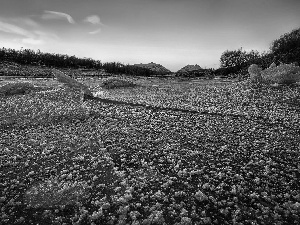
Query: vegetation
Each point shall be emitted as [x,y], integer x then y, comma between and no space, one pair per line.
[16,88]
[12,69]
[238,58]
[282,74]
[233,63]
[286,50]
[193,71]
[233,161]
[228,155]
[117,83]
[155,68]
[38,58]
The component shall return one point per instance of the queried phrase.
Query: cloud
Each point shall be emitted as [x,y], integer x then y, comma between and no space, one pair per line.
[95,31]
[28,36]
[29,22]
[93,19]
[41,38]
[23,21]
[32,41]
[13,29]
[57,15]
[46,35]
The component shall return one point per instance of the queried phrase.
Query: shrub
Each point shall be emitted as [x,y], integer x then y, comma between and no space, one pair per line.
[238,61]
[282,74]
[16,88]
[238,58]
[117,83]
[255,73]
[266,59]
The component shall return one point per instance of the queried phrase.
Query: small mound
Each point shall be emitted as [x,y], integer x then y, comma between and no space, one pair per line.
[117,83]
[16,88]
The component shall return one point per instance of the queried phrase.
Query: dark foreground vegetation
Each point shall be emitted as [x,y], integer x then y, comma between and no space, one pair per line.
[64,161]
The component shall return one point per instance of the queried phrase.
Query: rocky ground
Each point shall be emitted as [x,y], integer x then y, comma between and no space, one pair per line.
[234,162]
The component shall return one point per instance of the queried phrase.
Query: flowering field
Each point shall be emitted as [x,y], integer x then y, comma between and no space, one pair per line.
[15,69]
[230,156]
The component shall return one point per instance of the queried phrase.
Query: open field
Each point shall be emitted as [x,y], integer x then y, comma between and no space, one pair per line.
[236,161]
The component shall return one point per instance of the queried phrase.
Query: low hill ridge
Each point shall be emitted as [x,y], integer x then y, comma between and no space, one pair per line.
[189,68]
[161,70]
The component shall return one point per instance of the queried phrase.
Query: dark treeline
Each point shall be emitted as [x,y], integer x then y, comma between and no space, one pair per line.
[119,68]
[201,73]
[38,58]
[284,50]
[235,63]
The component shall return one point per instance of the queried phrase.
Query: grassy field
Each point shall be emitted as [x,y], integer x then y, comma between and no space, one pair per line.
[236,161]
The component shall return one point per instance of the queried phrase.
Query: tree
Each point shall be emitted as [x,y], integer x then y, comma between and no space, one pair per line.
[30,57]
[286,49]
[266,59]
[231,58]
[237,61]
[238,58]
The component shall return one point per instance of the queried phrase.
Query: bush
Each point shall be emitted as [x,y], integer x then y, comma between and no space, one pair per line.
[238,60]
[282,74]
[117,83]
[16,88]
[255,73]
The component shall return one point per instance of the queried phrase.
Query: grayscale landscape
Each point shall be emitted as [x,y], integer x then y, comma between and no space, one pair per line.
[161,112]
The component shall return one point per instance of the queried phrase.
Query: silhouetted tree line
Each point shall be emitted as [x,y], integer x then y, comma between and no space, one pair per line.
[31,57]
[285,49]
[119,68]
[196,73]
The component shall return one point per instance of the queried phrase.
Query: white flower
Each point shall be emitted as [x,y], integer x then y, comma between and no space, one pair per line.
[96,215]
[99,94]
[105,205]
[200,196]
[186,221]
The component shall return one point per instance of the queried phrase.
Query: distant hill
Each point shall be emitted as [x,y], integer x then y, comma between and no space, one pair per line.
[157,68]
[190,70]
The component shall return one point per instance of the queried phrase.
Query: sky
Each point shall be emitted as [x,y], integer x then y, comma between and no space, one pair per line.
[173,33]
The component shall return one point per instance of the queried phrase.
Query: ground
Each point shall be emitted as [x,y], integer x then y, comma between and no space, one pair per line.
[233,159]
